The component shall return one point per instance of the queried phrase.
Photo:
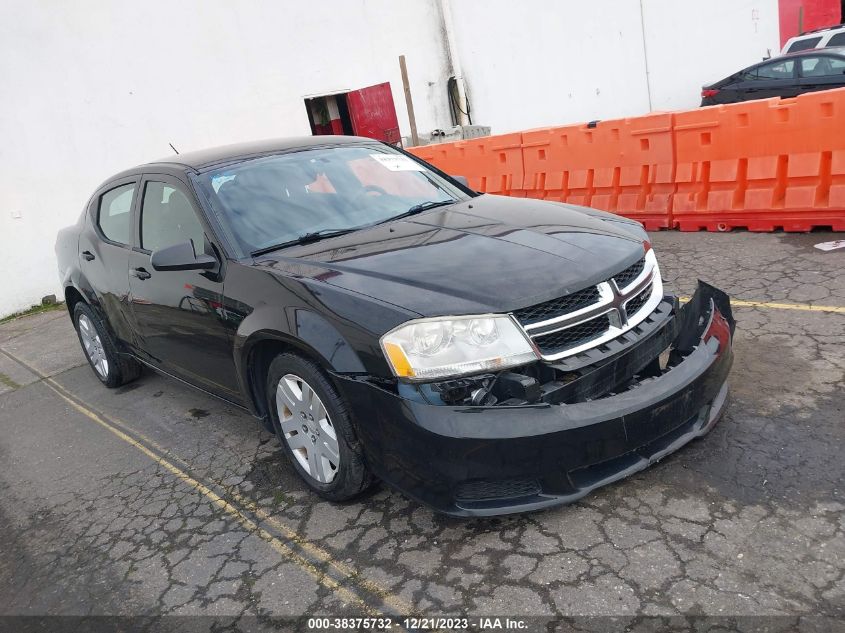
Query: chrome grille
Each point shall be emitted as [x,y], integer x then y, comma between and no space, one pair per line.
[634,305]
[590,317]
[629,274]
[576,335]
[557,307]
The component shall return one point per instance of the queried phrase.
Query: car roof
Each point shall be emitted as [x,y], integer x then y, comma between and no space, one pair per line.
[200,159]
[226,153]
[822,30]
[836,50]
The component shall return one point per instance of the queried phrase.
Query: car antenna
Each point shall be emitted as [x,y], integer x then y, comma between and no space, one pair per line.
[173,148]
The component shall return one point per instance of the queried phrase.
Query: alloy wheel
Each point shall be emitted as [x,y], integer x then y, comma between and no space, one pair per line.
[93,346]
[307,428]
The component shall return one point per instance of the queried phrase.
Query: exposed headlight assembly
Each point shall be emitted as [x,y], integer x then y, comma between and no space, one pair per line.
[443,347]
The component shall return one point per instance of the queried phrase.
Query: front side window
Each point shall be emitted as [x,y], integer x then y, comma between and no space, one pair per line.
[804,45]
[276,200]
[113,216]
[822,67]
[167,218]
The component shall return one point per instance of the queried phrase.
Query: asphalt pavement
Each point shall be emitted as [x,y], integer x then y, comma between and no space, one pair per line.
[156,500]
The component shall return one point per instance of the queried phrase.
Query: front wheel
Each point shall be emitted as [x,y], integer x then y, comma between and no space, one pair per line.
[315,428]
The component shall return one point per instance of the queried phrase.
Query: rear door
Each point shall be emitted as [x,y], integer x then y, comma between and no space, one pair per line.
[104,249]
[179,315]
[821,72]
[777,78]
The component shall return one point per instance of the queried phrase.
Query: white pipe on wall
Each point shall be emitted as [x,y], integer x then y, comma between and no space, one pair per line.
[449,31]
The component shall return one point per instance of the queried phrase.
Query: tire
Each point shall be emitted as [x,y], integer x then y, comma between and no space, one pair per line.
[308,442]
[112,368]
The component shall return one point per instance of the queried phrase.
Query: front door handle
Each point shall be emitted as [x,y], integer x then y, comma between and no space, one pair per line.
[140,273]
[88,256]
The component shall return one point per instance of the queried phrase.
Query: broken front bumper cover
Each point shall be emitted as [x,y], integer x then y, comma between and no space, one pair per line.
[481,461]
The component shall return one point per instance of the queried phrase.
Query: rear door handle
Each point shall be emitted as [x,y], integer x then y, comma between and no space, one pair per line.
[88,256]
[140,273]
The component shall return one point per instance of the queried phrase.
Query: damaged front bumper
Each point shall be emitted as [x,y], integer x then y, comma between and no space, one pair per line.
[602,423]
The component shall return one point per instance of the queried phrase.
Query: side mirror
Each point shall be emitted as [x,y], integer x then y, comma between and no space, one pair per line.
[463,180]
[181,257]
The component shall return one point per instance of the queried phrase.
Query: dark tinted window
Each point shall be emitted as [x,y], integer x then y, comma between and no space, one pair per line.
[277,199]
[113,215]
[837,40]
[167,218]
[776,70]
[822,66]
[804,45]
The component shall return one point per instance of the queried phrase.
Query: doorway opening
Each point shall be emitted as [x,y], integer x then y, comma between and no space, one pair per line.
[366,112]
[329,114]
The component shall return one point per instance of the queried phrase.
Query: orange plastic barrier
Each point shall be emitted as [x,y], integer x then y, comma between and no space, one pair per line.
[624,166]
[762,165]
[492,164]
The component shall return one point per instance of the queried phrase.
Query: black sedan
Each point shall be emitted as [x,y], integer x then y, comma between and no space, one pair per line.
[482,354]
[786,76]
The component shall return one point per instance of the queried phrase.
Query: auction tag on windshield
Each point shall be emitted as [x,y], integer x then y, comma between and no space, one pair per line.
[397,162]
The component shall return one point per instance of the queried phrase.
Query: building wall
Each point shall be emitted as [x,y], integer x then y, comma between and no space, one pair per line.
[817,14]
[690,44]
[90,88]
[579,61]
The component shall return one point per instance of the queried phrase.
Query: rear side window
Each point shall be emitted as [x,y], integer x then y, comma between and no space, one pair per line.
[804,45]
[837,40]
[778,70]
[113,214]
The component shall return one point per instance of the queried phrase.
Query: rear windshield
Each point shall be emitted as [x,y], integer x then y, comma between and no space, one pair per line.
[804,45]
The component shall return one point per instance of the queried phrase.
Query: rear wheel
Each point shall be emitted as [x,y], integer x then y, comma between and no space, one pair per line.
[112,368]
[315,428]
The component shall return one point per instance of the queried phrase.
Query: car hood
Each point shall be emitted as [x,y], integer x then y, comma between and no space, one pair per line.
[487,254]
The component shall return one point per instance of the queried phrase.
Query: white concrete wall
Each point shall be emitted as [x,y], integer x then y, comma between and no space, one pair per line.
[692,43]
[90,88]
[534,63]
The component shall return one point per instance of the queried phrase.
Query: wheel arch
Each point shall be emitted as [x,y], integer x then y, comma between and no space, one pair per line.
[319,344]
[73,297]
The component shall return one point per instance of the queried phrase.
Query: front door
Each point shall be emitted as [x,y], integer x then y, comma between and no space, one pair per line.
[179,315]
[821,72]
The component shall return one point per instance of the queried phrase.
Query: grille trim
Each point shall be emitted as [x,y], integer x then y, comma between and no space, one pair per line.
[630,274]
[641,295]
[560,306]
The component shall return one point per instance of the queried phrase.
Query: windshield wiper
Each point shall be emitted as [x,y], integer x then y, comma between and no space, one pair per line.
[419,208]
[305,238]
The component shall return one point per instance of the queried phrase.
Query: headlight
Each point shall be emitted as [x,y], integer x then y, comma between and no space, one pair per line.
[428,349]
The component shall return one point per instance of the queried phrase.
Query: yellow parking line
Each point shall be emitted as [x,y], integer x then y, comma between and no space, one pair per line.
[221,503]
[781,306]
[346,571]
[391,600]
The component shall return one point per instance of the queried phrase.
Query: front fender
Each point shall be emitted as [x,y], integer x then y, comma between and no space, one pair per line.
[301,328]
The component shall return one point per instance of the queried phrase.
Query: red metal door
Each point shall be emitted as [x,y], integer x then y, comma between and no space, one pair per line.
[373,114]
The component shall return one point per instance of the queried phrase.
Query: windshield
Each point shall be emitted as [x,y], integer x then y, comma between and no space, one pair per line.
[278,200]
